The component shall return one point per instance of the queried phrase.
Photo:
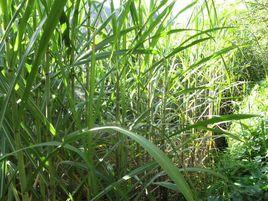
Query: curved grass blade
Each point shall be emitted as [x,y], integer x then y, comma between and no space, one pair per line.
[160,158]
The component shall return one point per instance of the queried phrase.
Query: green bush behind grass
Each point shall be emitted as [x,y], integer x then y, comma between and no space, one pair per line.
[245,164]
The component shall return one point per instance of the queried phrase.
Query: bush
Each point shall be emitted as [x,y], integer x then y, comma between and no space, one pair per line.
[245,164]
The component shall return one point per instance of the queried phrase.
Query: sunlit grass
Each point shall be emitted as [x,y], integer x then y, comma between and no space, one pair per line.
[152,89]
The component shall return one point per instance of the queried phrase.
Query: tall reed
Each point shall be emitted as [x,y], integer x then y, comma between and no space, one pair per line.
[68,68]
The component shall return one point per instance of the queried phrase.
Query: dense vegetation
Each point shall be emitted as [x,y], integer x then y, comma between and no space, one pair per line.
[135,102]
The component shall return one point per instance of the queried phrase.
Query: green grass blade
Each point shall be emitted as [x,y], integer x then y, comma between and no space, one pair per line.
[50,25]
[219,119]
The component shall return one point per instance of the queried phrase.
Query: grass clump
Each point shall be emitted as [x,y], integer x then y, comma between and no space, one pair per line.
[106,103]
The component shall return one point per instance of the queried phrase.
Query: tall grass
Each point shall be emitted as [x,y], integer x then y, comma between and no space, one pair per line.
[68,68]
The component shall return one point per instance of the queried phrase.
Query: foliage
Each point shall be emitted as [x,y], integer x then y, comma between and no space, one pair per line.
[246,161]
[254,132]
[252,60]
[247,179]
[105,103]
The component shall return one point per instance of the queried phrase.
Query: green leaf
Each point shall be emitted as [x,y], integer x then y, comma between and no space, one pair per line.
[50,25]
[167,185]
[218,119]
